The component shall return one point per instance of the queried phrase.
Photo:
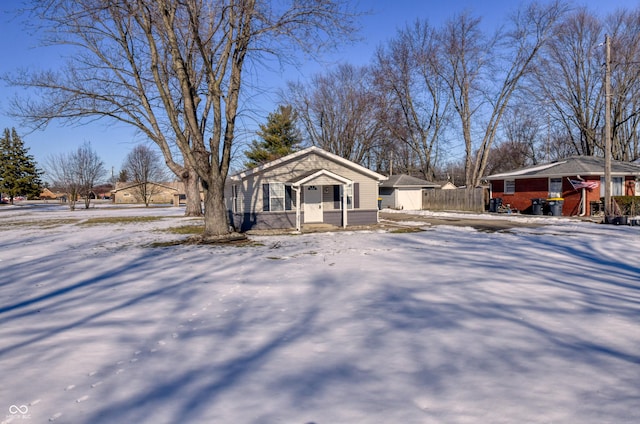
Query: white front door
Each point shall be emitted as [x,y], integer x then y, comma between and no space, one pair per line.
[313,204]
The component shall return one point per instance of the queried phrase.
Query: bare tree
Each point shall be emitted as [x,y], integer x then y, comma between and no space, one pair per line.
[173,69]
[143,166]
[76,173]
[568,76]
[508,156]
[569,82]
[522,135]
[465,50]
[337,110]
[58,170]
[482,74]
[416,110]
[624,27]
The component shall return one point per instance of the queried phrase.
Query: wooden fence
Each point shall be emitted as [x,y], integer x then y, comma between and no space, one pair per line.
[471,200]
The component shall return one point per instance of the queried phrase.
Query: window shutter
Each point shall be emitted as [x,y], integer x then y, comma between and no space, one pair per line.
[356,195]
[265,197]
[336,197]
[287,198]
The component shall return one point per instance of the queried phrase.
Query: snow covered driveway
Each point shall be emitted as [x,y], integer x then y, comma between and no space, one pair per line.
[449,325]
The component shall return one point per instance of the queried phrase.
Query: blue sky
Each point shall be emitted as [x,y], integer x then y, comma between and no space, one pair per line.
[114,141]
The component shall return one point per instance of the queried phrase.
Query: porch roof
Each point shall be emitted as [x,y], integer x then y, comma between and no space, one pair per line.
[308,177]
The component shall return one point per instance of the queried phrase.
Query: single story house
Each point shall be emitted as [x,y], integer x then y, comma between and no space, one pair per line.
[47,194]
[577,180]
[306,187]
[161,192]
[404,192]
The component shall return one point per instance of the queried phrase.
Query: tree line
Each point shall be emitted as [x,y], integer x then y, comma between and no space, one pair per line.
[434,98]
[174,70]
[74,174]
[457,100]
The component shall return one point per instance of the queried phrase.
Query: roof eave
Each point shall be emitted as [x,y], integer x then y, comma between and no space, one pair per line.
[303,152]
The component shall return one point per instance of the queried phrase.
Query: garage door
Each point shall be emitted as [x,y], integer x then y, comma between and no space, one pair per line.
[410,200]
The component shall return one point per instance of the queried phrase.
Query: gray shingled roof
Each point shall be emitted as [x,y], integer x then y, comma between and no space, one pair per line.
[575,165]
[403,180]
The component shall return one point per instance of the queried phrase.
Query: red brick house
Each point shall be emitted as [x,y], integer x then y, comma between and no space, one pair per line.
[577,180]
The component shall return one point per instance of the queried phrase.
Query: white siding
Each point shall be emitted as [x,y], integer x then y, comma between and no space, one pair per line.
[251,186]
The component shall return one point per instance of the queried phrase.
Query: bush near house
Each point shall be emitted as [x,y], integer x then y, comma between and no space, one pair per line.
[629,205]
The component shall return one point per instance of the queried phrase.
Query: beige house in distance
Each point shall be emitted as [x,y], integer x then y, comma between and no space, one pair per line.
[311,186]
[164,192]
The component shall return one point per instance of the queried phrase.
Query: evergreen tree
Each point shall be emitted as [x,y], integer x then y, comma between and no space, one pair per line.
[123,176]
[19,175]
[280,137]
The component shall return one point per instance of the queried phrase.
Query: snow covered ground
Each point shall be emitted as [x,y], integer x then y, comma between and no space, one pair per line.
[449,325]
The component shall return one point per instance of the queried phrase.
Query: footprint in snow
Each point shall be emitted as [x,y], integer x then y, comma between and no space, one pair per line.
[55,416]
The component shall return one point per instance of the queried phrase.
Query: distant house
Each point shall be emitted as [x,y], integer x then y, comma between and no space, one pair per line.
[47,194]
[310,186]
[404,192]
[448,186]
[161,192]
[102,191]
[577,181]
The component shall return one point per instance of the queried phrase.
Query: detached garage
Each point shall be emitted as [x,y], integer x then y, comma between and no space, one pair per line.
[404,192]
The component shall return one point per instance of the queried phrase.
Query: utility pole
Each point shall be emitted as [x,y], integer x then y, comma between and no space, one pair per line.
[607,129]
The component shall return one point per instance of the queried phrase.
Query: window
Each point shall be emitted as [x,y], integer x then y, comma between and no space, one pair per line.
[617,186]
[509,186]
[234,197]
[555,187]
[351,191]
[276,197]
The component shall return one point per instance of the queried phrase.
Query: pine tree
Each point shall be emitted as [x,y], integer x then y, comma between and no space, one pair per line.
[280,137]
[123,176]
[19,175]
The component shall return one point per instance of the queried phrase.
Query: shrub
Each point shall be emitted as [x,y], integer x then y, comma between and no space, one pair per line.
[629,205]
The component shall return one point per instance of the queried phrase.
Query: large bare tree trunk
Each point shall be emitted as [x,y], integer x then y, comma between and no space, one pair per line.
[216,219]
[192,188]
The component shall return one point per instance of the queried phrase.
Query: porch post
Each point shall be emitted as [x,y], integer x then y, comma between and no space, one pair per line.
[297,189]
[344,206]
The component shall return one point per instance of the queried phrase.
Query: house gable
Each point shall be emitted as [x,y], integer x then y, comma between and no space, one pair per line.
[300,168]
[310,151]
[320,177]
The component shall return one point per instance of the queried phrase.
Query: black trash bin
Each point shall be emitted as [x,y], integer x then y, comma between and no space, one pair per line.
[495,204]
[555,206]
[536,206]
